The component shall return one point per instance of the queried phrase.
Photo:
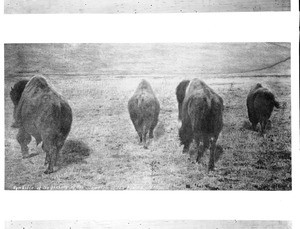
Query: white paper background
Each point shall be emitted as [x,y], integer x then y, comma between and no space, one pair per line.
[157,224]
[155,205]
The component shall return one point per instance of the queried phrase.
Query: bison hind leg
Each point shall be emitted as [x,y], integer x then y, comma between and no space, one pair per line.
[200,152]
[59,146]
[146,130]
[263,124]
[137,125]
[153,125]
[24,139]
[194,150]
[145,145]
[140,137]
[254,124]
[47,159]
[185,149]
[211,163]
[52,160]
[151,135]
[185,136]
[140,134]
[51,149]
[202,148]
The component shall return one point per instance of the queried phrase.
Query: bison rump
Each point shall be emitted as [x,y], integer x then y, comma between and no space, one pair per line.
[260,105]
[202,120]
[143,109]
[45,115]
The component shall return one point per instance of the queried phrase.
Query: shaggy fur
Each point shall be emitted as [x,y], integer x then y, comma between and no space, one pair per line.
[144,109]
[44,114]
[260,104]
[180,93]
[202,120]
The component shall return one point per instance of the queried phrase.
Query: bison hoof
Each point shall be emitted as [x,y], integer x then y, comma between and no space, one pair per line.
[48,171]
[15,125]
[185,151]
[145,147]
[211,168]
[26,156]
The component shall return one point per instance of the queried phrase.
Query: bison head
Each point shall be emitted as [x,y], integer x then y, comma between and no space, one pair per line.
[17,90]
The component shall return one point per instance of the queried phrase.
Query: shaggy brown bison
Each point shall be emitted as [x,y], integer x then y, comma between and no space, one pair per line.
[180,93]
[144,109]
[260,104]
[202,120]
[42,113]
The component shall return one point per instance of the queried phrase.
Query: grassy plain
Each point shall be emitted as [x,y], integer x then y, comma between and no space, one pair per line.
[102,150]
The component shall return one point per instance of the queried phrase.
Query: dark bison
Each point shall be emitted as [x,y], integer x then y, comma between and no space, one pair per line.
[180,93]
[42,113]
[260,104]
[144,109]
[202,120]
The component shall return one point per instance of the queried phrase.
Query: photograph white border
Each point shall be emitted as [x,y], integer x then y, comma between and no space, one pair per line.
[155,205]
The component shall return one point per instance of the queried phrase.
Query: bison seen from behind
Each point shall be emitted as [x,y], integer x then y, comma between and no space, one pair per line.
[144,109]
[260,104]
[42,113]
[202,120]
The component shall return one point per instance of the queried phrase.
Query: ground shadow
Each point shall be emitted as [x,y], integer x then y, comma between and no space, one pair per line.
[74,152]
[247,125]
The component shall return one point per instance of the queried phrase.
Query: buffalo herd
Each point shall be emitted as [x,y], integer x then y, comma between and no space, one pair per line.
[43,113]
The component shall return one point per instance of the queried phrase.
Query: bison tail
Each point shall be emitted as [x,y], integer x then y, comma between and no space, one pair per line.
[200,112]
[140,102]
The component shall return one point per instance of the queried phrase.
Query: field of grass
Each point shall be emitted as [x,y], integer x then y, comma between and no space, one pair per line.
[102,150]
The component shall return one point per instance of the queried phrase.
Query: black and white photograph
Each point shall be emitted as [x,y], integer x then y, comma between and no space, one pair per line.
[148,116]
[132,114]
[141,6]
[155,224]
